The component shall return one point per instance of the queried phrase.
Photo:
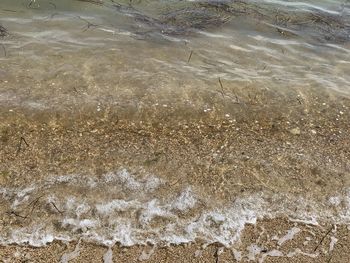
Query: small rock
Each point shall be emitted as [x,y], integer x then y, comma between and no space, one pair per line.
[295,131]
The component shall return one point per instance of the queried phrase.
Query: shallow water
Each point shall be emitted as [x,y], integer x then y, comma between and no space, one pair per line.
[66,52]
[230,59]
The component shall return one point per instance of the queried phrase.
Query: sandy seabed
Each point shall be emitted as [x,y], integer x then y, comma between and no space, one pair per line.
[264,148]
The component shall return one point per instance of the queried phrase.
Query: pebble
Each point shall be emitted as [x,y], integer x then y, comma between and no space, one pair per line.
[295,131]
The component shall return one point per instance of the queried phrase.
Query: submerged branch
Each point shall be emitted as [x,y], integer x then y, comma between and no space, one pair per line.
[95,2]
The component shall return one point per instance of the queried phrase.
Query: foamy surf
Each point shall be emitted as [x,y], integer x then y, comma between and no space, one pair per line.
[127,209]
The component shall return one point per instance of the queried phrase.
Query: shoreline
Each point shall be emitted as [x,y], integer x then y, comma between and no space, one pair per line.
[204,148]
[281,241]
[223,158]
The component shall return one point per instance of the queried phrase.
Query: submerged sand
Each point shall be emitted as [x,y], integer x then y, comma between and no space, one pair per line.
[304,151]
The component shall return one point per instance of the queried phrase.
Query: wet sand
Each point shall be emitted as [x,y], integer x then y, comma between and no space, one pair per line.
[304,152]
[311,244]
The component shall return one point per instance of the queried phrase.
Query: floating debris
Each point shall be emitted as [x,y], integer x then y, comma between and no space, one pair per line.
[192,16]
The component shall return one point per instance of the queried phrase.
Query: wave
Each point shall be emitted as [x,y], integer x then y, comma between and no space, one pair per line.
[130,209]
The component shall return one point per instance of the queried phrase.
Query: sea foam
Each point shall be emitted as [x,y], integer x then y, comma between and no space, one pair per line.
[127,208]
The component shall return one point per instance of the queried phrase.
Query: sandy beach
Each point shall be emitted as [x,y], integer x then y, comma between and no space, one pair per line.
[311,244]
[37,144]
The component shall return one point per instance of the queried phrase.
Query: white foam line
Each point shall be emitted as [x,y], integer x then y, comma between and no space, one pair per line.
[140,216]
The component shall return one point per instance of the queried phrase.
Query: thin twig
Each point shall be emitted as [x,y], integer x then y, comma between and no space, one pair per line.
[88,24]
[33,204]
[59,211]
[189,58]
[53,5]
[16,214]
[223,93]
[95,2]
[323,239]
[22,139]
[222,88]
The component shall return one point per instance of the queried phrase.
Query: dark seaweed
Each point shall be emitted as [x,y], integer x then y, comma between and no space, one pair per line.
[177,22]
[3,31]
[200,15]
